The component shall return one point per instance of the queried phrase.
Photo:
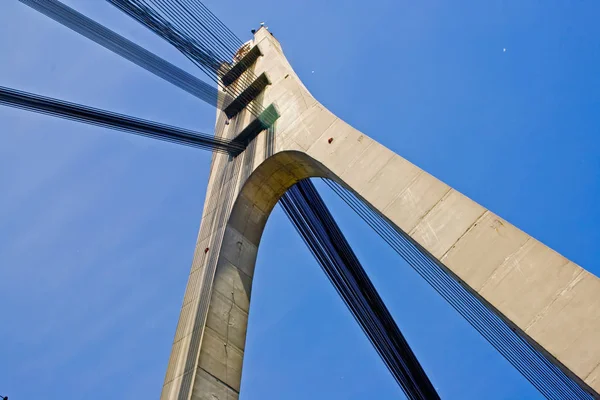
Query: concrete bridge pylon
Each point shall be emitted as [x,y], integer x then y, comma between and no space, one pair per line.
[540,293]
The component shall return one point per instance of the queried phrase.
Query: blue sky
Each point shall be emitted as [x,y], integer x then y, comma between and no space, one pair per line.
[97,228]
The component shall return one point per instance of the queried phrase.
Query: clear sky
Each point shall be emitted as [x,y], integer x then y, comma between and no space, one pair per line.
[499,99]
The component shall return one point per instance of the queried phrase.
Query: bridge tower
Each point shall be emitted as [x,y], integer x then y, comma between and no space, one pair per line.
[549,299]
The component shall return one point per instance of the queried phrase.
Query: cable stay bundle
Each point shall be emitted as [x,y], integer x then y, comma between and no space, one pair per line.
[543,374]
[212,49]
[197,34]
[315,224]
[94,116]
[116,43]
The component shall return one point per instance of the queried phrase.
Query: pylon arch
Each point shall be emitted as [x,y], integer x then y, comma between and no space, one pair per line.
[549,299]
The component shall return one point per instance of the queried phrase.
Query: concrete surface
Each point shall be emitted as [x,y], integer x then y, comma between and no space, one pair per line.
[555,302]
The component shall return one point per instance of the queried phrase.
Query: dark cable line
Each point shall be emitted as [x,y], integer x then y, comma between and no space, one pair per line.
[177,17]
[313,221]
[198,8]
[200,50]
[147,17]
[216,24]
[550,380]
[193,24]
[168,29]
[94,116]
[116,43]
[189,20]
[202,54]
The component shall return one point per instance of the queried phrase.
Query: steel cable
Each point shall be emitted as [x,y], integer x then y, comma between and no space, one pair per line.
[312,220]
[94,116]
[200,50]
[549,379]
[123,47]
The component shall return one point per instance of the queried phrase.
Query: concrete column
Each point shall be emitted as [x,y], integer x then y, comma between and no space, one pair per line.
[555,302]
